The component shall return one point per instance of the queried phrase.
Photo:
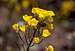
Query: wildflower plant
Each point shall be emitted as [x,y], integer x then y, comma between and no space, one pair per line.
[35,29]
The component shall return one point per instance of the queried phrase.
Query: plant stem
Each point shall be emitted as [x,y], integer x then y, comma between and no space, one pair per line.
[31,40]
[29,45]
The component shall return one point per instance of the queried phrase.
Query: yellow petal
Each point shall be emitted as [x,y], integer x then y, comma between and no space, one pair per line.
[41,16]
[51,13]
[46,33]
[15,27]
[33,22]
[27,18]
[35,10]
[36,39]
[52,26]
[22,28]
[40,12]
[50,48]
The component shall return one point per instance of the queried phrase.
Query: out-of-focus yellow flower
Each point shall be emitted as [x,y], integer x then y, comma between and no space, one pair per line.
[36,40]
[22,28]
[11,2]
[42,13]
[27,18]
[33,22]
[46,33]
[50,48]
[15,26]
[66,7]
[25,4]
[17,8]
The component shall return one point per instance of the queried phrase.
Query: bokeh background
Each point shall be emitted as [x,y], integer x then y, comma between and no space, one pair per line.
[63,37]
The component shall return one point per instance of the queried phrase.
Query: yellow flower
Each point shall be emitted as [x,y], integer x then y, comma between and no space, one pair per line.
[15,26]
[46,33]
[42,13]
[39,12]
[33,22]
[50,48]
[22,28]
[27,18]
[36,39]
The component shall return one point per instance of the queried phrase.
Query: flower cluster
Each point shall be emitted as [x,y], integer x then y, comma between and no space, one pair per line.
[43,16]
[43,13]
